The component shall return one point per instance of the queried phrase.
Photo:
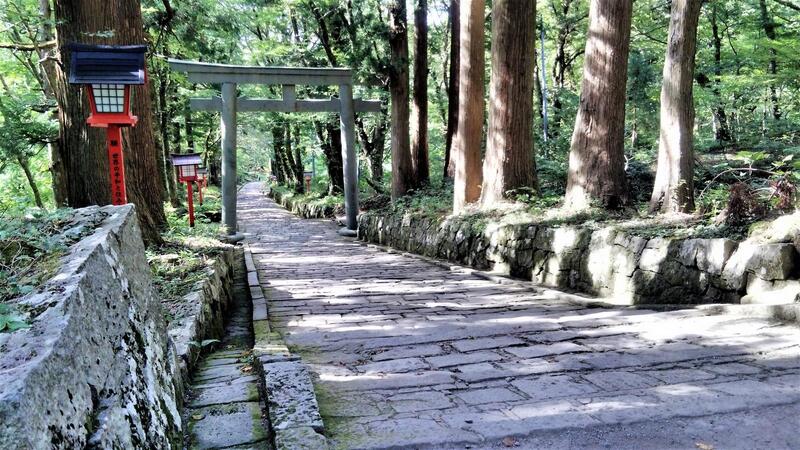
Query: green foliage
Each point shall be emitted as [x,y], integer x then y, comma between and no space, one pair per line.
[427,202]
[11,320]
[179,264]
[31,247]
[315,198]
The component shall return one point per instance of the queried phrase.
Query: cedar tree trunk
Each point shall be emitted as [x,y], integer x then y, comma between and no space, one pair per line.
[452,88]
[403,177]
[674,184]
[510,162]
[419,127]
[597,159]
[83,150]
[466,152]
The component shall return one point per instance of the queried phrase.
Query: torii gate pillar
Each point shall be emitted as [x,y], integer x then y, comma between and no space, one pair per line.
[229,177]
[349,157]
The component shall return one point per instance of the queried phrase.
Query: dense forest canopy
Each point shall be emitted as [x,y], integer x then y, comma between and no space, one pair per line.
[738,62]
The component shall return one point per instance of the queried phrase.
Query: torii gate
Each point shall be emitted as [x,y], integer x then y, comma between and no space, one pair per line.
[229,105]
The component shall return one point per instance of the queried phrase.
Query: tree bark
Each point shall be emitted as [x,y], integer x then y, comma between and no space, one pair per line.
[419,128]
[597,158]
[26,168]
[48,74]
[83,151]
[466,152]
[187,123]
[452,87]
[674,183]
[722,129]
[510,161]
[277,147]
[769,30]
[170,183]
[294,156]
[403,176]
[373,145]
[330,138]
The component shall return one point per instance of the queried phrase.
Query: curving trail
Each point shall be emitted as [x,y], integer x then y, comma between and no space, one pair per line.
[406,353]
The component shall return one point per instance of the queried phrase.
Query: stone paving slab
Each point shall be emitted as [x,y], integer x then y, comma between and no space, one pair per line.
[227,425]
[409,354]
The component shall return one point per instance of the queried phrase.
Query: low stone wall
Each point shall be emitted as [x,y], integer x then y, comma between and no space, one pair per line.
[302,209]
[606,262]
[209,301]
[95,369]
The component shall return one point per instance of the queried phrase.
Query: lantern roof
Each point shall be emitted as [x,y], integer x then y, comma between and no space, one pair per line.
[111,64]
[186,159]
[202,170]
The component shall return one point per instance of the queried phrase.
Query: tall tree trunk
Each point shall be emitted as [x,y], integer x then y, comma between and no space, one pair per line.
[466,152]
[26,168]
[769,30]
[48,73]
[597,158]
[403,177]
[419,128]
[722,129]
[510,162]
[187,123]
[279,147]
[674,184]
[330,138]
[373,145]
[83,151]
[569,16]
[170,183]
[294,157]
[452,87]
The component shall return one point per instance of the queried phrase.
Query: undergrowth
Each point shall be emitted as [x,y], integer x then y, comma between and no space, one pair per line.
[178,265]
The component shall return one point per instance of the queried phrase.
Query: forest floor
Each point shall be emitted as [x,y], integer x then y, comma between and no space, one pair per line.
[408,353]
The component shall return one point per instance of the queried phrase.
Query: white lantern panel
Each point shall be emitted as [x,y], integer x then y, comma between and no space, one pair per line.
[109,98]
[188,171]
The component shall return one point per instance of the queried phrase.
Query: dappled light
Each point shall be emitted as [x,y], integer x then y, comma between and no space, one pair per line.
[482,360]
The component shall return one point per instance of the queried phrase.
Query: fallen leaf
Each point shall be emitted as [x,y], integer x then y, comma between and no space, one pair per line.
[704,446]
[510,442]
[197,416]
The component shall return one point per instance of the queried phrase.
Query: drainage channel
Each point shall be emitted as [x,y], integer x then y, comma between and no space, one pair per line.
[224,406]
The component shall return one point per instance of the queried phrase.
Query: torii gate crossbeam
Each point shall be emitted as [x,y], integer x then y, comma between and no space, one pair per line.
[288,77]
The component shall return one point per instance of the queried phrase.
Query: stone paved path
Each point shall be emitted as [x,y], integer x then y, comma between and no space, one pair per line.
[224,408]
[409,354]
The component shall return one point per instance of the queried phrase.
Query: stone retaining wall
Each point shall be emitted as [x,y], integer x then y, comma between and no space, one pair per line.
[622,267]
[99,368]
[302,209]
[95,369]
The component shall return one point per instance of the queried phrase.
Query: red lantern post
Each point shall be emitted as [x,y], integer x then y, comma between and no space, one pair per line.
[109,72]
[202,179]
[187,165]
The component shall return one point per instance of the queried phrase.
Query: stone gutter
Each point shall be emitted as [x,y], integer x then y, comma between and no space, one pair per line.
[289,393]
[210,300]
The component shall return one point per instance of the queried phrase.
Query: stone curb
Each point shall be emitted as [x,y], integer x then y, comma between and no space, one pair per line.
[287,388]
[784,312]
